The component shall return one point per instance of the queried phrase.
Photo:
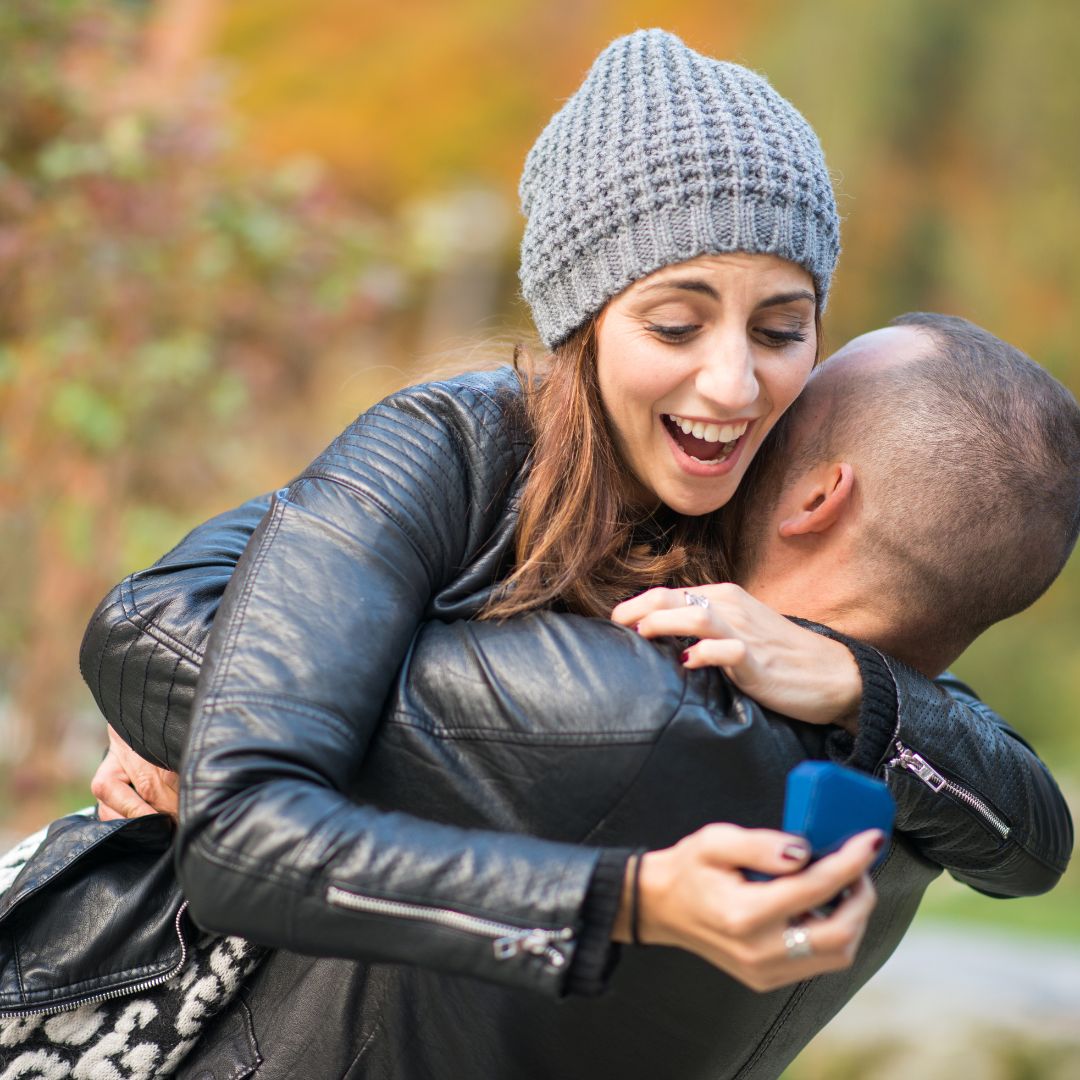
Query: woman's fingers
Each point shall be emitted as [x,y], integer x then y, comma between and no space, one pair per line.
[821,882]
[716,652]
[686,621]
[632,611]
[694,896]
[723,596]
[807,947]
[831,943]
[698,886]
[782,666]
[666,613]
[767,851]
[843,930]
[786,951]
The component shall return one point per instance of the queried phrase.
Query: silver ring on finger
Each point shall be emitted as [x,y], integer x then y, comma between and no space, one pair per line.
[797,942]
[695,599]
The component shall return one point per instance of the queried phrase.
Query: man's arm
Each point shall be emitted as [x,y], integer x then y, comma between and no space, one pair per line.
[970,792]
[969,789]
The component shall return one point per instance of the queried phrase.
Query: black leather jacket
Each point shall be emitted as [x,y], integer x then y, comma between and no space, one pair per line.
[409,515]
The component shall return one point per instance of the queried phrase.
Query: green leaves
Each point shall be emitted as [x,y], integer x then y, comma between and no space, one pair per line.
[78,409]
[160,297]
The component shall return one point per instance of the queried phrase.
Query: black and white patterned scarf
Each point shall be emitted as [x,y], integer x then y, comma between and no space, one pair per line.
[137,1037]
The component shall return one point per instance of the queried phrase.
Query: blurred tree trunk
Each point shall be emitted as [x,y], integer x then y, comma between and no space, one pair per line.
[178,36]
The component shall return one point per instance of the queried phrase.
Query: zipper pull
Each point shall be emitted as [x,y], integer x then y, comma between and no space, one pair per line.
[536,942]
[917,764]
[506,948]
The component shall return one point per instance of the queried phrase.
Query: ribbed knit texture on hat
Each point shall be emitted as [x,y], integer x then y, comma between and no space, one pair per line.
[663,155]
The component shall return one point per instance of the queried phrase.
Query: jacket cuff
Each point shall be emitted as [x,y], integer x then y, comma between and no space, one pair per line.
[879,709]
[596,954]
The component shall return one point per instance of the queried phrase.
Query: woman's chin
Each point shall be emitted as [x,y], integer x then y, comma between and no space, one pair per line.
[693,499]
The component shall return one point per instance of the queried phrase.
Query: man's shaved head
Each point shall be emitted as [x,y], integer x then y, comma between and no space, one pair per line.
[967,462]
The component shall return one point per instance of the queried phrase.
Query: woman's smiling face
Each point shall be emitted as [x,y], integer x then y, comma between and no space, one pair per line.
[696,363]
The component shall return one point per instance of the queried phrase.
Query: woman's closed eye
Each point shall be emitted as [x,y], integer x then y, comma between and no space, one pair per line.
[673,334]
[776,339]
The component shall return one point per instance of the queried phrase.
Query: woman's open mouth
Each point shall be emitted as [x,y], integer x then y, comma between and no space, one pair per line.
[702,442]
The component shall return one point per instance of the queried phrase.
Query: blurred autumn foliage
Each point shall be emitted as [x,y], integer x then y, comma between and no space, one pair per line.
[158,303]
[225,228]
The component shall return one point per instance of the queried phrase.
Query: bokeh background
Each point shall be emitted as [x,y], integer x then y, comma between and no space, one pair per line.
[228,227]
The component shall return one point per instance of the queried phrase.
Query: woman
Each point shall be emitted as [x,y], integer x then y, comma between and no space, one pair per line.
[686,358]
[680,241]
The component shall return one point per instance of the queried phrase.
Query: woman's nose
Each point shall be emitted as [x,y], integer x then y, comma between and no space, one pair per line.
[728,379]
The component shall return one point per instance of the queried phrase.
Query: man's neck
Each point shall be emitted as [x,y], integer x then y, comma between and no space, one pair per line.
[817,594]
[824,599]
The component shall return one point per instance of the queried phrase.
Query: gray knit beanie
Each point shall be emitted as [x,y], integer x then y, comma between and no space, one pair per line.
[663,155]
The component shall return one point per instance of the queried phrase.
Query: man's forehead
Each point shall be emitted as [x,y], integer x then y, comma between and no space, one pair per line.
[891,346]
[888,346]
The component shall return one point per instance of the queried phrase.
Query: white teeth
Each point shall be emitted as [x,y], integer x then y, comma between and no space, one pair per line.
[722,456]
[723,433]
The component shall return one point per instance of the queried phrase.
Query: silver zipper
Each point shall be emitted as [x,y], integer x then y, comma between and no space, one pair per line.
[123,991]
[507,940]
[906,758]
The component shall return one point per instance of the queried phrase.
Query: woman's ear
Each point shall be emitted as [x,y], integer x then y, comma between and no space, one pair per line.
[821,499]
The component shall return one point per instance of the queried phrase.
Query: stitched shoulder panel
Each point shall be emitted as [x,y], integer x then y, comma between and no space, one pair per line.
[540,677]
[455,444]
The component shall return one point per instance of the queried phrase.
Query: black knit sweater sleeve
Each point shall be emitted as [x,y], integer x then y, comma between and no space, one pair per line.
[878,708]
[597,954]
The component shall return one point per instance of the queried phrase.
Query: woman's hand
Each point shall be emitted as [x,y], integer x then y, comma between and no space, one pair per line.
[127,786]
[782,666]
[694,896]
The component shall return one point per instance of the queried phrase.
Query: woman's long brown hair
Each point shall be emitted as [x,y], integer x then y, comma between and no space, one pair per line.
[582,544]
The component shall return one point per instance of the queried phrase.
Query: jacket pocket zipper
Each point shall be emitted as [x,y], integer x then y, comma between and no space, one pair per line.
[906,758]
[507,941]
[121,991]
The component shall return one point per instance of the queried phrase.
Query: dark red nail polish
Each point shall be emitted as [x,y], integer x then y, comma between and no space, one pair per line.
[879,843]
[685,656]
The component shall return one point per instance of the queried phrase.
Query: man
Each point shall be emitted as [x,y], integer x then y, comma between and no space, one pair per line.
[849,539]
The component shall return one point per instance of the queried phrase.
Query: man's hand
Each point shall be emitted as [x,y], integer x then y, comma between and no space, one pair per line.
[782,666]
[127,786]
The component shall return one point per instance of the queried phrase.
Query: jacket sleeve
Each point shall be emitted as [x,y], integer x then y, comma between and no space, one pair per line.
[143,648]
[307,641]
[970,792]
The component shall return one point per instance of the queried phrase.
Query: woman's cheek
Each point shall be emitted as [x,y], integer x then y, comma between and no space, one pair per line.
[791,378]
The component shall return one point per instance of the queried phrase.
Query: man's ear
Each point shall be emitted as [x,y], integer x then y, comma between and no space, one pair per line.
[823,498]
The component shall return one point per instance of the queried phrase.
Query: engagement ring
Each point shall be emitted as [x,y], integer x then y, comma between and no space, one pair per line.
[694,599]
[797,942]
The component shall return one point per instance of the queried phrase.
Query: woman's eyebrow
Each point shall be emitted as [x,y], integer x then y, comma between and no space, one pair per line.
[688,284]
[788,298]
[701,286]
